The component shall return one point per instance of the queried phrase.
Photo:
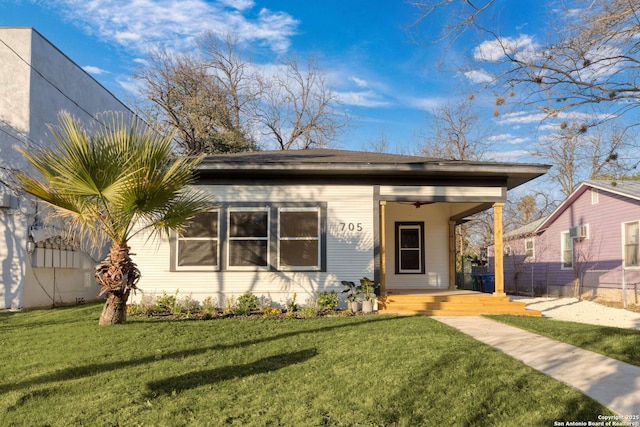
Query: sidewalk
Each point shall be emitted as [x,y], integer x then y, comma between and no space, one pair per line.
[614,384]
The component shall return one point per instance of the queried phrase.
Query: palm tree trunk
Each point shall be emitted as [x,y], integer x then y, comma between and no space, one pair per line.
[117,276]
[115,310]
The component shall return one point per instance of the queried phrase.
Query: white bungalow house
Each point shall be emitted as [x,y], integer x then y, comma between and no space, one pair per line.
[291,223]
[37,81]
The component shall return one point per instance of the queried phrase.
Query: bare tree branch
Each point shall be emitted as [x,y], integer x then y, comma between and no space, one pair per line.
[299,108]
[456,133]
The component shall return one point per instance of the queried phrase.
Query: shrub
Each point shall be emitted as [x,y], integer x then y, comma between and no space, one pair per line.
[327,300]
[246,303]
[165,303]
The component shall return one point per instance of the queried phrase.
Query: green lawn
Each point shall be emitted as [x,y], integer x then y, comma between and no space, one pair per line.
[618,343]
[59,368]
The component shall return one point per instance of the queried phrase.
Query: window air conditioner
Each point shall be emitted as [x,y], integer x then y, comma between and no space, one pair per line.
[583,231]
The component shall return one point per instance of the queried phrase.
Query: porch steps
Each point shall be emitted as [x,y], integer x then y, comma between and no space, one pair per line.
[452,305]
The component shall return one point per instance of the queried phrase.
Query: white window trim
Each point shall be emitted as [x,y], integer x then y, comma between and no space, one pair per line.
[230,239]
[199,267]
[533,248]
[623,233]
[421,267]
[595,196]
[562,250]
[318,239]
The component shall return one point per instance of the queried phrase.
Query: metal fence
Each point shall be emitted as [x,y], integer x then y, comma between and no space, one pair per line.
[535,279]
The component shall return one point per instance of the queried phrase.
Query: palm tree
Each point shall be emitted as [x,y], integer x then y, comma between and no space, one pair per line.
[110,186]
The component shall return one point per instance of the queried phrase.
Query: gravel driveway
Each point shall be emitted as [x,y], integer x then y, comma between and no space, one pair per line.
[582,311]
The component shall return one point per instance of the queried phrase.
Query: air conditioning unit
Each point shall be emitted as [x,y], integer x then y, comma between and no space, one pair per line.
[579,232]
[583,231]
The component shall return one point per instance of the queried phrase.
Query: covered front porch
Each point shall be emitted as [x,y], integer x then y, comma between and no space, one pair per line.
[417,257]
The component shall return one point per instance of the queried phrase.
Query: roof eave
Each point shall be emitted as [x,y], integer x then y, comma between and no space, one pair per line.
[515,174]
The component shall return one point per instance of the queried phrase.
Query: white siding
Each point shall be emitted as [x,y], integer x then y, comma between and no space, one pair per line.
[350,243]
[436,245]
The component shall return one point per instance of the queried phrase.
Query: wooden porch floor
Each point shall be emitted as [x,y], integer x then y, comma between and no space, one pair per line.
[449,302]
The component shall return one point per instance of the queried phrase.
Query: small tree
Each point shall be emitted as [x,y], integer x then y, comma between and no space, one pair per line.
[111,186]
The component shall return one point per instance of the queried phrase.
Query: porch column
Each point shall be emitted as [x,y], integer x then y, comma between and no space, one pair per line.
[452,254]
[498,249]
[383,249]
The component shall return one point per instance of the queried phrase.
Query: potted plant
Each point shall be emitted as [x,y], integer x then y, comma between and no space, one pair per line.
[352,290]
[367,288]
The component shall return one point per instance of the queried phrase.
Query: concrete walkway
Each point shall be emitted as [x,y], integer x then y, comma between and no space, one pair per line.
[614,384]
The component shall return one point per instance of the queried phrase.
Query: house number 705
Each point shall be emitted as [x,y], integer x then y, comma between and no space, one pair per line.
[350,226]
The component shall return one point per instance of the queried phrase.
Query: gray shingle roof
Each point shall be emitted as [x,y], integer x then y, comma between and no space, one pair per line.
[319,155]
[525,230]
[626,187]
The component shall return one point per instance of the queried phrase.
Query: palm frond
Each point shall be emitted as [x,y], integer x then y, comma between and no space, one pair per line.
[119,180]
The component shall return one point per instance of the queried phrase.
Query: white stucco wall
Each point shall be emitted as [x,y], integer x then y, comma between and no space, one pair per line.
[37,82]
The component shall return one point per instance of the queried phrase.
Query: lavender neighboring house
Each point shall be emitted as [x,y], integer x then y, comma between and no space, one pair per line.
[588,246]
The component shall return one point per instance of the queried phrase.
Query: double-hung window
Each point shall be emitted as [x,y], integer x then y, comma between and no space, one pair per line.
[530,248]
[283,236]
[299,239]
[566,248]
[410,248]
[197,246]
[631,242]
[248,231]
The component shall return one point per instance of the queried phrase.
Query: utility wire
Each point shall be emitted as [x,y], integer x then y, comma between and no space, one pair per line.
[74,102]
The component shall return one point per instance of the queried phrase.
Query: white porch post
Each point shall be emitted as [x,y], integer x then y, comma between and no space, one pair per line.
[498,249]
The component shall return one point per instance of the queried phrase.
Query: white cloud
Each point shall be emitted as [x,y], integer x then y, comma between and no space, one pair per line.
[130,85]
[495,50]
[239,4]
[508,156]
[507,138]
[142,25]
[94,70]
[359,82]
[479,76]
[529,117]
[367,98]
[426,104]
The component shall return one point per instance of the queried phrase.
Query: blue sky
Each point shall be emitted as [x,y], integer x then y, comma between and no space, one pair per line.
[386,82]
